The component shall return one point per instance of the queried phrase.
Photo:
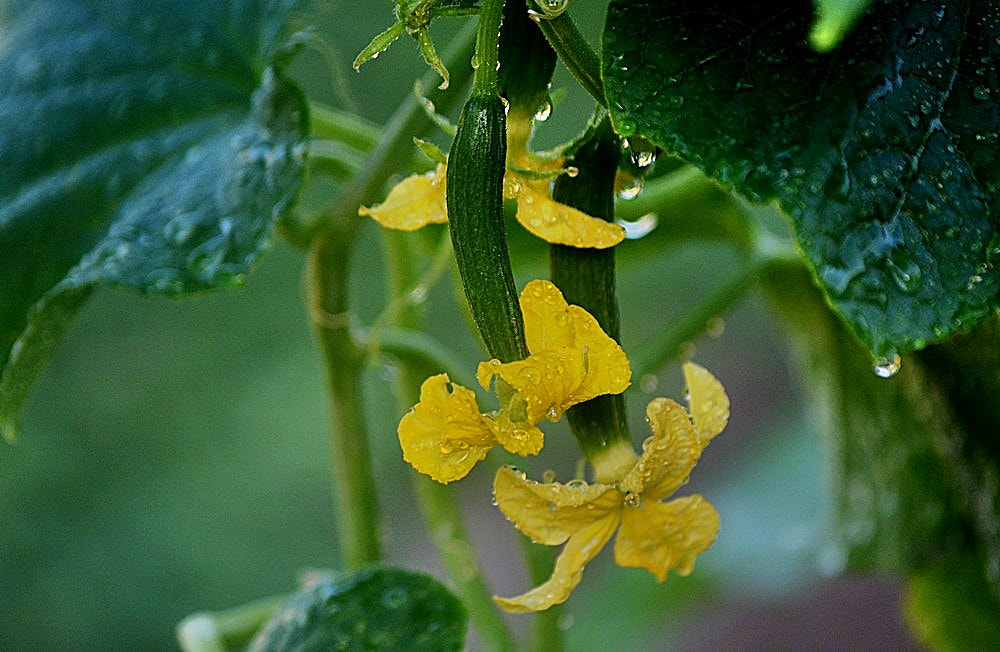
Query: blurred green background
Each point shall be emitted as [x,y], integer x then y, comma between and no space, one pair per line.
[175,456]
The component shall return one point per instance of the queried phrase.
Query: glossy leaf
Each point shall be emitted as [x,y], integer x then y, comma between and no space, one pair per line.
[147,145]
[883,151]
[374,609]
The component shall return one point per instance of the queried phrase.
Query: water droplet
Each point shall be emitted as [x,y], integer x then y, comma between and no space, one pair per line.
[565,621]
[549,476]
[981,93]
[572,172]
[394,598]
[553,414]
[544,111]
[676,102]
[715,327]
[648,383]
[576,484]
[644,159]
[632,189]
[631,498]
[904,271]
[888,366]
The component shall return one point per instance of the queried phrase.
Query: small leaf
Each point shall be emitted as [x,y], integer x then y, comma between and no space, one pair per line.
[374,609]
[884,151]
[147,145]
[833,20]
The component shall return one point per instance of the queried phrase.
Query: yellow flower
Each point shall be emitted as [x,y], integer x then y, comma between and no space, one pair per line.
[420,199]
[413,203]
[658,536]
[571,360]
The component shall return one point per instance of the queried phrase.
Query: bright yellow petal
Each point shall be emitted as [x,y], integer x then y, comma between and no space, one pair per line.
[572,360]
[444,435]
[708,401]
[561,224]
[414,202]
[583,545]
[518,437]
[668,456]
[548,322]
[663,537]
[549,513]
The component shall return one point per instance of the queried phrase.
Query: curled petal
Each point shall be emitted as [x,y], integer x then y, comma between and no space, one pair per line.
[444,435]
[548,383]
[561,224]
[709,403]
[414,202]
[518,437]
[668,456]
[663,537]
[583,545]
[549,513]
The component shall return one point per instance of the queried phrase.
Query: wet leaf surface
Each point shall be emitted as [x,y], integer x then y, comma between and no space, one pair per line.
[883,151]
[147,145]
[374,609]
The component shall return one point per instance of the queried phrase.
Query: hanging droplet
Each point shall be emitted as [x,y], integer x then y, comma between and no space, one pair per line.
[888,367]
[549,476]
[544,111]
[631,498]
[632,189]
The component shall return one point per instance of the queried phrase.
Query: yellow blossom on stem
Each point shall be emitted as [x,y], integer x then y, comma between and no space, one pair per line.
[413,203]
[571,360]
[658,536]
[419,200]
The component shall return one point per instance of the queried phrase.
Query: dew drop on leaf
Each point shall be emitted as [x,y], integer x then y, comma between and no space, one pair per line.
[888,366]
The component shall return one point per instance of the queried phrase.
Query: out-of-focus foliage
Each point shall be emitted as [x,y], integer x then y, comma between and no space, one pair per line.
[148,145]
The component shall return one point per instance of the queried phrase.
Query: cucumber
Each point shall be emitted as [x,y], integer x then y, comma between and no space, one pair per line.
[476,167]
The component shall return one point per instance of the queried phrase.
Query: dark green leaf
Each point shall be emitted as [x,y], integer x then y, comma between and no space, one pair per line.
[951,609]
[147,145]
[375,609]
[884,151]
[914,457]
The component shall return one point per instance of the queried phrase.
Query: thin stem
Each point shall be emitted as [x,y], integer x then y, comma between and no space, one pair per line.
[438,503]
[327,282]
[539,562]
[216,631]
[575,52]
[354,489]
[343,127]
[665,346]
[487,48]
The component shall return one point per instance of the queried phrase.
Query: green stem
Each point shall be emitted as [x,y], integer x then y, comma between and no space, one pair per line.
[354,489]
[575,53]
[343,127]
[539,562]
[438,503]
[487,51]
[217,631]
[327,283]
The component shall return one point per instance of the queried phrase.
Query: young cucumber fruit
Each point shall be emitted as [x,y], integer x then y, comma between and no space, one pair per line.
[476,168]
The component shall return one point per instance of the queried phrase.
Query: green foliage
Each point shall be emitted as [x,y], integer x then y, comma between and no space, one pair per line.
[147,145]
[884,152]
[374,609]
[951,608]
[833,20]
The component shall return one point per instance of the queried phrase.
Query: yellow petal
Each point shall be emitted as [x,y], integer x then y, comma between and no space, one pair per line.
[663,537]
[548,322]
[549,513]
[668,456]
[708,401]
[583,545]
[444,435]
[547,383]
[561,224]
[414,202]
[519,437]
